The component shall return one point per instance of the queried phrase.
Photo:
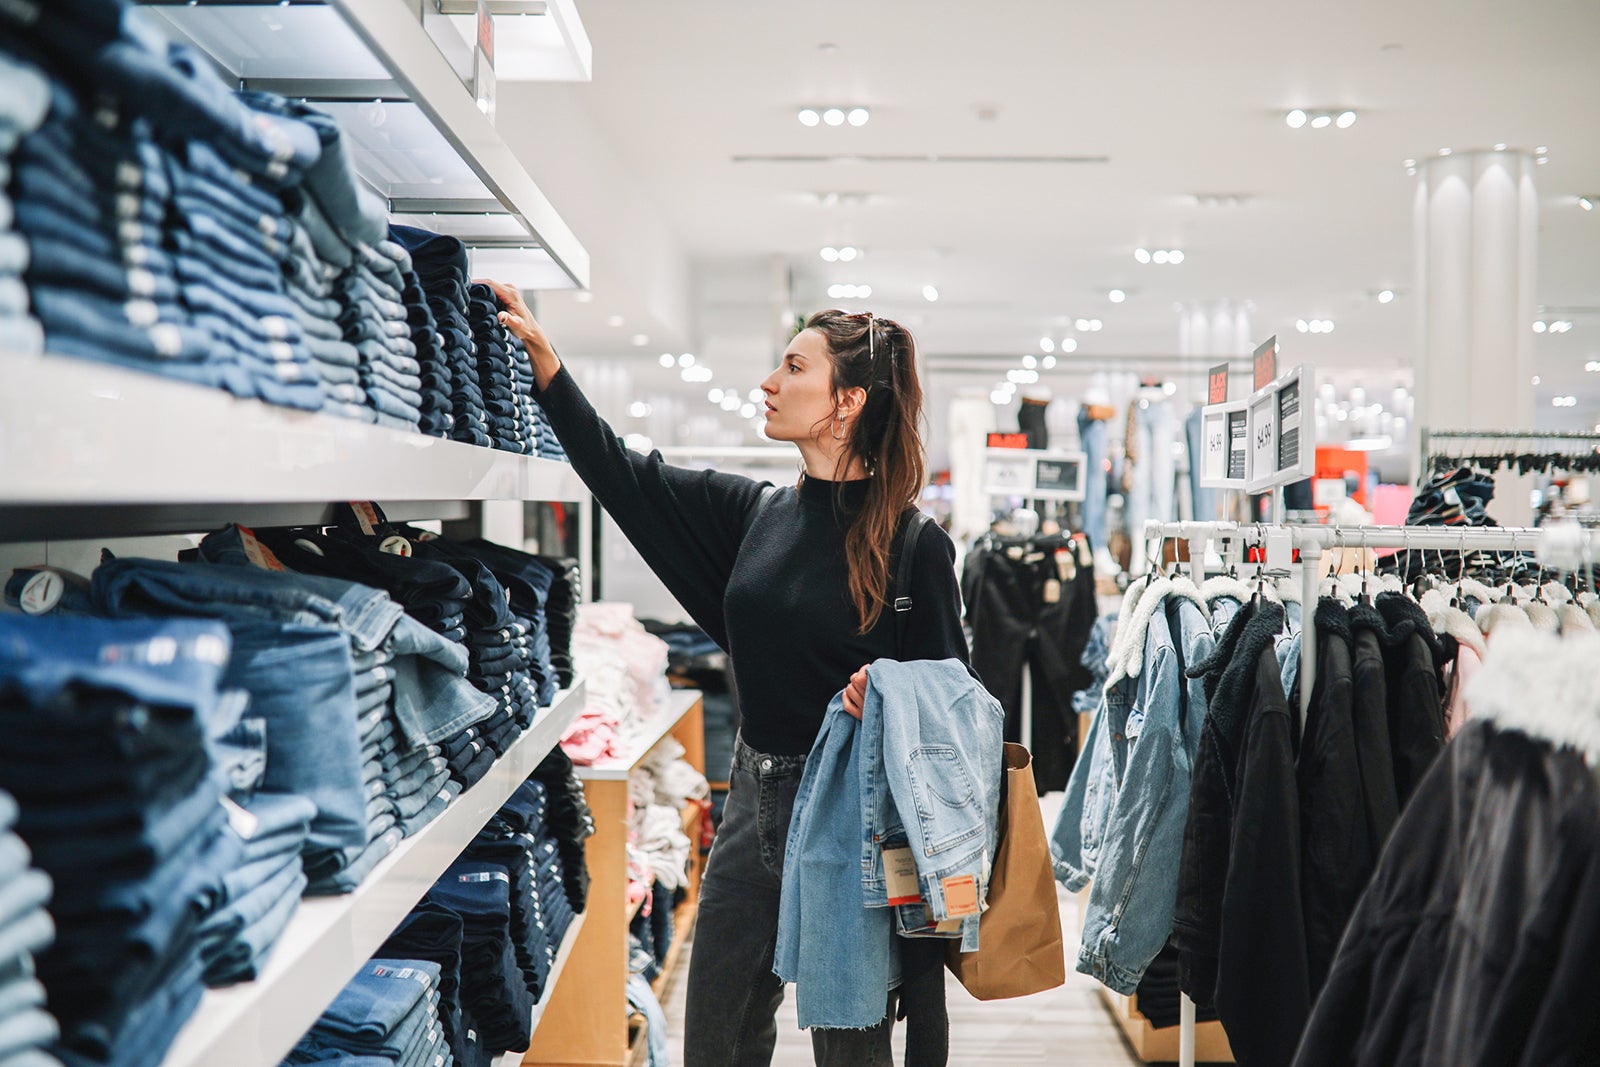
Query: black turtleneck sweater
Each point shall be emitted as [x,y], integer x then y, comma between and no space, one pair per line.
[775,596]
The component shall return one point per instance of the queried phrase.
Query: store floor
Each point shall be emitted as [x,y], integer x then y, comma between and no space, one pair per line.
[1066,1025]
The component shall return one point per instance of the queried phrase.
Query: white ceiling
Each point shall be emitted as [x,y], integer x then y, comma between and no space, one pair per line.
[1182,98]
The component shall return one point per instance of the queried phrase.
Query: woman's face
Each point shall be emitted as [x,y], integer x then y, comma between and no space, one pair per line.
[799,394]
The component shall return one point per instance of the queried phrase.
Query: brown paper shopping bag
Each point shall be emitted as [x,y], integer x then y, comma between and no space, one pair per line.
[1021,950]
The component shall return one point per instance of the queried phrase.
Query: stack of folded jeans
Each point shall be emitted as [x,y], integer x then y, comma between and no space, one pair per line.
[529,580]
[436,376]
[568,822]
[388,1013]
[561,614]
[22,109]
[106,724]
[493,988]
[434,933]
[25,929]
[320,256]
[259,896]
[509,426]
[375,321]
[317,655]
[530,947]
[440,263]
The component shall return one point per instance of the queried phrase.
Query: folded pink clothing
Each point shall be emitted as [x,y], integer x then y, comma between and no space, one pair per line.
[592,737]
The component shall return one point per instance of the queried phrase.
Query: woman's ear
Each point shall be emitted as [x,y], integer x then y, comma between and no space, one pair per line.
[849,403]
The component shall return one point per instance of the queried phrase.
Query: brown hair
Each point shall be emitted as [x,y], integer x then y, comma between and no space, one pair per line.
[879,356]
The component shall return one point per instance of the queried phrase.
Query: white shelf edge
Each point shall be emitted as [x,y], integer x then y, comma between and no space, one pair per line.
[74,431]
[398,39]
[255,1024]
[564,953]
[660,724]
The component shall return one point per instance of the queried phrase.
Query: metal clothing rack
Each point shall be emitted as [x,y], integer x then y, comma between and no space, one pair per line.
[1429,437]
[1313,542]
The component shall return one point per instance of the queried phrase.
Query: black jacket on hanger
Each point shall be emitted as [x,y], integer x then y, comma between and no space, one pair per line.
[1475,944]
[1413,658]
[1239,925]
[1024,615]
[1339,851]
[1369,710]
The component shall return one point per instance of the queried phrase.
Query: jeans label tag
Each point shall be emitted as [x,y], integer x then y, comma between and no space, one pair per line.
[395,545]
[900,871]
[244,824]
[42,592]
[257,553]
[366,515]
[960,895]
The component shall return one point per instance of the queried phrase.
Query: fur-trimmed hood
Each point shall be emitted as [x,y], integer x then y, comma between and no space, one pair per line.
[1543,686]
[1127,659]
[1230,671]
[1453,622]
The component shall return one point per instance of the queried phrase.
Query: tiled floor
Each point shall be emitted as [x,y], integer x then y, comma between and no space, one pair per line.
[1064,1026]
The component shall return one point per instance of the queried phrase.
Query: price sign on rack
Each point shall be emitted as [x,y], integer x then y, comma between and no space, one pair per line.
[1034,474]
[1224,435]
[1282,439]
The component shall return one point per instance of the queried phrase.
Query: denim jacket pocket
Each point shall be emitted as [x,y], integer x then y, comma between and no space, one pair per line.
[947,805]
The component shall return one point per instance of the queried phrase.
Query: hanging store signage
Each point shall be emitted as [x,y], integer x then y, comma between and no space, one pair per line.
[1034,474]
[1217,385]
[1008,440]
[483,83]
[1266,363]
[1225,437]
[1283,446]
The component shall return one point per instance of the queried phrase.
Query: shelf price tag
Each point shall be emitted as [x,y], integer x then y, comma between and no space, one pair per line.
[1282,439]
[483,81]
[1224,435]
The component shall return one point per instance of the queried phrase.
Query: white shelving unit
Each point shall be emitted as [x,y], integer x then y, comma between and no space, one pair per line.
[453,166]
[256,1023]
[75,432]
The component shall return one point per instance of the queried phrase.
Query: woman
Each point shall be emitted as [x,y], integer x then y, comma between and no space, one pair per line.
[798,601]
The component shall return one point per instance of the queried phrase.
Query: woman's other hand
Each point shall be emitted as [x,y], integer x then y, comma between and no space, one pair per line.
[855,694]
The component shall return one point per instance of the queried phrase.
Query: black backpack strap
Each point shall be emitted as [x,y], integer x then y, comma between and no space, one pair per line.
[902,578]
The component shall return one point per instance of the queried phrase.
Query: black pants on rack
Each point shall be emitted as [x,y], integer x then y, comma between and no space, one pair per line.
[733,994]
[1024,615]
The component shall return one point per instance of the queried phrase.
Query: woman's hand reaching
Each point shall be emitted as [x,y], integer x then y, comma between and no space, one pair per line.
[855,694]
[520,321]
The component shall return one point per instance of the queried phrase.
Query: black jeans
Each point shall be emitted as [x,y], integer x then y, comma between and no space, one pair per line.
[733,994]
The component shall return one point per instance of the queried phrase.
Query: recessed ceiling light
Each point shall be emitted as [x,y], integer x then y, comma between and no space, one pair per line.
[639,409]
[1069,345]
[640,340]
[1541,151]
[1593,366]
[686,360]
[1081,325]
[1175,256]
[1536,379]
[930,294]
[615,320]
[1302,325]
[583,296]
[833,117]
[1046,344]
[714,395]
[1142,255]
[863,291]
[1049,362]
[1030,362]
[859,116]
[1499,148]
[1346,119]
[1295,119]
[1586,202]
[1539,327]
[1159,256]
[1444,151]
[830,255]
[1564,401]
[1116,296]
[848,254]
[1386,296]
[1322,122]
[667,359]
[809,117]
[747,411]
[730,402]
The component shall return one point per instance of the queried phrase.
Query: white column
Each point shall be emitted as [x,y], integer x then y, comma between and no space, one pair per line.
[1476,241]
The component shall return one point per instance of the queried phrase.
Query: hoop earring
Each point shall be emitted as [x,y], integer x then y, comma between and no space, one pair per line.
[838,431]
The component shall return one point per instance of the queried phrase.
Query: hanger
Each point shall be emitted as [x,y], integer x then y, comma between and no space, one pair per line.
[1365,562]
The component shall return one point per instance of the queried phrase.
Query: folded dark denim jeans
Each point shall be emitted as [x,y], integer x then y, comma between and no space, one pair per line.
[375,1003]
